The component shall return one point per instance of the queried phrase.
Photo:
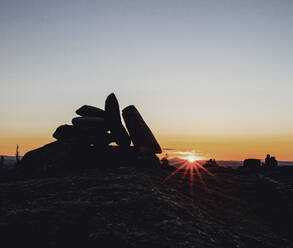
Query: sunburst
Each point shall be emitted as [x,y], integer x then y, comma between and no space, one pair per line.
[192,167]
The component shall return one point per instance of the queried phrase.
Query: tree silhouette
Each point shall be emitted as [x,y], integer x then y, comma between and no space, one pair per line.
[17,154]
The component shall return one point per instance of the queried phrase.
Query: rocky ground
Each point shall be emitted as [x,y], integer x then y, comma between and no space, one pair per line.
[135,207]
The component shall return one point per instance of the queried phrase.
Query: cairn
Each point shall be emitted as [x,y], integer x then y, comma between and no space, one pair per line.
[88,140]
[95,127]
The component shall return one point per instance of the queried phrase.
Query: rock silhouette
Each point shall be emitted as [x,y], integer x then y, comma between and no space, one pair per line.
[270,161]
[140,133]
[90,111]
[89,122]
[252,163]
[67,132]
[113,119]
[87,142]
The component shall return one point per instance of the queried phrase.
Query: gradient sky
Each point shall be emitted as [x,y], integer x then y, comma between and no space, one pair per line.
[214,76]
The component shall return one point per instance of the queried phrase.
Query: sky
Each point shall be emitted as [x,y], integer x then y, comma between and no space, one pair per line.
[211,76]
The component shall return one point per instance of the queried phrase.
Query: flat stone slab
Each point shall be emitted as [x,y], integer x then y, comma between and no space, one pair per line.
[90,111]
[89,122]
[69,133]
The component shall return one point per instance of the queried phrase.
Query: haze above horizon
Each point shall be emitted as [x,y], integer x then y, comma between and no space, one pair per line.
[213,76]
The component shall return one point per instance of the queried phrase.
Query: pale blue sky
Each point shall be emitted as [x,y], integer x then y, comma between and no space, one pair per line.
[184,64]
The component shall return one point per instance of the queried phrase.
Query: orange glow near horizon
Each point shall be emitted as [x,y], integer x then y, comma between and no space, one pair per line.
[191,148]
[235,148]
[26,142]
[223,150]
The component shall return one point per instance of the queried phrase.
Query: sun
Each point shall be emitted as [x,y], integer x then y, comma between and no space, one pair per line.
[191,158]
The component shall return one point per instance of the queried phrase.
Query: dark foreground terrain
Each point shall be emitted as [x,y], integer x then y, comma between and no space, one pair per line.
[130,207]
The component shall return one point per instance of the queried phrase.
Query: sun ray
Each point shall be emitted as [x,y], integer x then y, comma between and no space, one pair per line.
[191,168]
[184,173]
[195,169]
[173,173]
[208,172]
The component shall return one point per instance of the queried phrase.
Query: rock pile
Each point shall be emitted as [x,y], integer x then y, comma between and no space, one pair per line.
[89,139]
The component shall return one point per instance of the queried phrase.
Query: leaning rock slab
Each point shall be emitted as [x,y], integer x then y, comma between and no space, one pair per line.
[90,111]
[113,120]
[139,131]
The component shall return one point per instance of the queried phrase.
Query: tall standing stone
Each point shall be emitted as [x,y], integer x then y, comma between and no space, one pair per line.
[114,123]
[141,135]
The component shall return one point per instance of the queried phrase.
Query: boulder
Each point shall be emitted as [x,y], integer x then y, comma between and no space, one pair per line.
[141,135]
[114,123]
[90,111]
[252,163]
